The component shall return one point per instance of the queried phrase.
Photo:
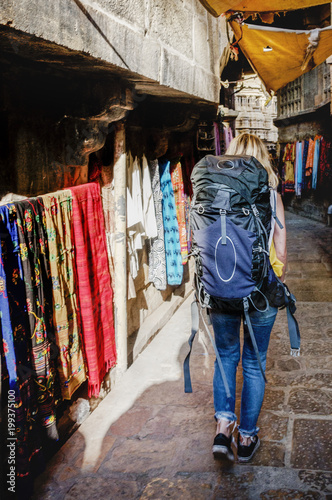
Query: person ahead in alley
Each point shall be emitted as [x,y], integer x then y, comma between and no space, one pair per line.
[226,328]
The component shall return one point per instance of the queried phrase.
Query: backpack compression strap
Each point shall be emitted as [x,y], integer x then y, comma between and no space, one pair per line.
[293,327]
[194,329]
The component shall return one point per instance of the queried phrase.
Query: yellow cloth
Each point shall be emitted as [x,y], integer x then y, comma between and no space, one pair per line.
[71,365]
[290,51]
[276,264]
[217,7]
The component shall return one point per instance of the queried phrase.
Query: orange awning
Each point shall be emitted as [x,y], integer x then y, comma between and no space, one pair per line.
[278,56]
[218,7]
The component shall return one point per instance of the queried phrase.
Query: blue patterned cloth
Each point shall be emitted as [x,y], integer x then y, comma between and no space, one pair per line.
[174,267]
[16,340]
[304,162]
[315,165]
[6,325]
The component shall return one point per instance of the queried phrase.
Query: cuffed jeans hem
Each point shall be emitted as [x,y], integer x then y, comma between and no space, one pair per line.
[226,415]
[247,434]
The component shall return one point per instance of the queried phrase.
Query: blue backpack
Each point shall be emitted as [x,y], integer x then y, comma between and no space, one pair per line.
[231,217]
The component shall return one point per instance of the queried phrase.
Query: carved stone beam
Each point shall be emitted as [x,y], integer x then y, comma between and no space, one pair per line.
[83,136]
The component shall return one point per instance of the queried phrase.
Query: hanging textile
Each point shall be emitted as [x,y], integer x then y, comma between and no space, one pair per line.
[27,434]
[187,167]
[304,163]
[149,215]
[94,284]
[38,289]
[316,161]
[135,218]
[295,51]
[71,367]
[228,135]
[174,267]
[6,327]
[217,139]
[157,257]
[289,158]
[325,164]
[298,169]
[309,164]
[107,193]
[218,7]
[178,189]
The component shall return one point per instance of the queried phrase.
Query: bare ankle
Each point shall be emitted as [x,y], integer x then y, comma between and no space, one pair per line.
[245,440]
[224,427]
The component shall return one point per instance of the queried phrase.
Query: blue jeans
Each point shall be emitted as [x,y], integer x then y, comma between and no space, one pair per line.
[227,337]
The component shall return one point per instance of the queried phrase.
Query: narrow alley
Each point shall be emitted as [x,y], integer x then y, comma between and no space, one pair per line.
[148,439]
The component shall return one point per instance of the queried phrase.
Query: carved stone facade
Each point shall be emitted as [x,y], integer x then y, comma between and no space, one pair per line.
[254,116]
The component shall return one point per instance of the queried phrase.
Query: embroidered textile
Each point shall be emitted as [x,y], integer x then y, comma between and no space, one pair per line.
[304,163]
[26,431]
[65,315]
[325,164]
[178,189]
[38,289]
[94,283]
[174,267]
[289,158]
[157,256]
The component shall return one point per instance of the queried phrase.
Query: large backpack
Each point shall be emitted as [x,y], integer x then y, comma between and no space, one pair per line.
[231,219]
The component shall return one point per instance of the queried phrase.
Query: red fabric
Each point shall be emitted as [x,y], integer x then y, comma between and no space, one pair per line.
[94,283]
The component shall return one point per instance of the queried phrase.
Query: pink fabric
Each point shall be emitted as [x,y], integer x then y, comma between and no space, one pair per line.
[217,138]
[94,283]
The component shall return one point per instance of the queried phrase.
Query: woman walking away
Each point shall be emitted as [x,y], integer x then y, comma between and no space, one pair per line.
[227,328]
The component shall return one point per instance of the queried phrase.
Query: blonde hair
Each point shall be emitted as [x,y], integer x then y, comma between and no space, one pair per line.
[251,145]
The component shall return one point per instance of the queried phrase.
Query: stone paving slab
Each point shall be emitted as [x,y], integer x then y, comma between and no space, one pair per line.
[149,440]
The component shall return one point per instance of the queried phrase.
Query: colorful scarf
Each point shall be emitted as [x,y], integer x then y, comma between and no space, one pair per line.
[157,256]
[27,434]
[304,162]
[174,267]
[38,289]
[178,189]
[289,158]
[325,168]
[94,283]
[66,322]
[309,163]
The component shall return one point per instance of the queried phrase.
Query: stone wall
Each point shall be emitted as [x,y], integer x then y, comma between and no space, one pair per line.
[175,43]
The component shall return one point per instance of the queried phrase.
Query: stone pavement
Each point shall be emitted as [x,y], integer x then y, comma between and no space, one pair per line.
[149,440]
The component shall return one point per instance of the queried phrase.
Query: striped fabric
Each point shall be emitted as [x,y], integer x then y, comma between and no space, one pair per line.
[94,283]
[177,183]
[65,314]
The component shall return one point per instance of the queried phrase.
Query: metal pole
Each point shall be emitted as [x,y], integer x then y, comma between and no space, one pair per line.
[120,255]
